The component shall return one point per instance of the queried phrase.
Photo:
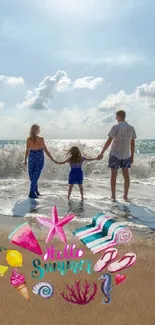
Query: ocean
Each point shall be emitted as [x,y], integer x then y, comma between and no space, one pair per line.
[14,186]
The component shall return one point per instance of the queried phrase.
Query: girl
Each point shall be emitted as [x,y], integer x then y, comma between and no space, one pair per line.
[35,147]
[76,174]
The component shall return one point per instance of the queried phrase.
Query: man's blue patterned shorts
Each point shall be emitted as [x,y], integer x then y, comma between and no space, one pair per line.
[114,162]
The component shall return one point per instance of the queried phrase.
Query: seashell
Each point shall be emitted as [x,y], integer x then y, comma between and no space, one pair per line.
[44,289]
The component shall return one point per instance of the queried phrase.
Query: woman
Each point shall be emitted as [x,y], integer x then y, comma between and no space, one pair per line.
[35,147]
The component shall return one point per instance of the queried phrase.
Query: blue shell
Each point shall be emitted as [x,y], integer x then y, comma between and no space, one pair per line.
[44,289]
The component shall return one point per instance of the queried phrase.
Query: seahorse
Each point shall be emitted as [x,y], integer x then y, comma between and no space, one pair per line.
[106,287]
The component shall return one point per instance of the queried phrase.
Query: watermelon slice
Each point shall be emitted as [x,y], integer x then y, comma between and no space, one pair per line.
[24,237]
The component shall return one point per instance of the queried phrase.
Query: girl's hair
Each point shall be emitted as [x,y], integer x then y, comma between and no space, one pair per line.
[75,155]
[34,131]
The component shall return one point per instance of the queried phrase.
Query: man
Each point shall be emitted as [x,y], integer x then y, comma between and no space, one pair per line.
[122,137]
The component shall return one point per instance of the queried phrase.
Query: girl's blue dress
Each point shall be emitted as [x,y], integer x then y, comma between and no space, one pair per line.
[76,173]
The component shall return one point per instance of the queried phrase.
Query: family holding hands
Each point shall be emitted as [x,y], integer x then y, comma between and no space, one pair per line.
[122,136]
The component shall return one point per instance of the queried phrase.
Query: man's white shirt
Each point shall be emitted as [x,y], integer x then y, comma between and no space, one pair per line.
[122,134]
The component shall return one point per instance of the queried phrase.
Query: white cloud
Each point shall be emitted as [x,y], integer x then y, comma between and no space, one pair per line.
[114,101]
[147,93]
[38,98]
[85,123]
[108,119]
[11,81]
[88,82]
[147,90]
[1,105]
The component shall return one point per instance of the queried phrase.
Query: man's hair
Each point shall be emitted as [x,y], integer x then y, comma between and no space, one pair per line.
[121,114]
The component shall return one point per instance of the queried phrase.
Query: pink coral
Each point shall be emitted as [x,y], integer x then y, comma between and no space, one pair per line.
[77,296]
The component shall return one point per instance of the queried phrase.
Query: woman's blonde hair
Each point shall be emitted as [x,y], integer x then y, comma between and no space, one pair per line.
[75,155]
[34,132]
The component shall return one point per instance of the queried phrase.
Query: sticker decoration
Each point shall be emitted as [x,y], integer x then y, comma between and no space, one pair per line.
[43,289]
[124,262]
[104,232]
[18,281]
[62,267]
[108,256]
[55,225]
[24,237]
[80,295]
[106,287]
[119,278]
[3,269]
[101,235]
[14,258]
[2,248]
[68,252]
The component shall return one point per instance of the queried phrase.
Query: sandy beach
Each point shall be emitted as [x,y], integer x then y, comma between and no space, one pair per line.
[132,301]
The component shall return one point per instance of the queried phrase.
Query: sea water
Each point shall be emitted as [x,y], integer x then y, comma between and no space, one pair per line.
[53,184]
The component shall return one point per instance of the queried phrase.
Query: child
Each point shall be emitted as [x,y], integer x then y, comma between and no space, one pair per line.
[76,174]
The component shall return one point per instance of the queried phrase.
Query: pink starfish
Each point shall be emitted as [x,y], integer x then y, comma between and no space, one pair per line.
[55,225]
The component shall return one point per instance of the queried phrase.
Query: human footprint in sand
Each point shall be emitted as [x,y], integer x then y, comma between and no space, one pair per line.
[75,160]
[122,137]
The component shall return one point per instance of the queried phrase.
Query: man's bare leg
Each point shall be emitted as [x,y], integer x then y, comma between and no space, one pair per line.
[113,183]
[125,172]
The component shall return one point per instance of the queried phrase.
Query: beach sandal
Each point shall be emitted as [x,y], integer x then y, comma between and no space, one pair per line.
[124,262]
[109,255]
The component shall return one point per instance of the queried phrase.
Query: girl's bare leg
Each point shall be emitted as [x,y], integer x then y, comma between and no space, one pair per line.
[70,190]
[81,191]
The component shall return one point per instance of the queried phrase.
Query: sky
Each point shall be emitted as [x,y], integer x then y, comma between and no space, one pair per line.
[69,65]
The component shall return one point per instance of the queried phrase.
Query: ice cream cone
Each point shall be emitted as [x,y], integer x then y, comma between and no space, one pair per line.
[22,289]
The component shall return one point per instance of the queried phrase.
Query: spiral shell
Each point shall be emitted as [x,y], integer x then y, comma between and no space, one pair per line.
[44,289]
[123,236]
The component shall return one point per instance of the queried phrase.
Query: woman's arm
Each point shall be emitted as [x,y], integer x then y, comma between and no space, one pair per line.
[46,150]
[26,152]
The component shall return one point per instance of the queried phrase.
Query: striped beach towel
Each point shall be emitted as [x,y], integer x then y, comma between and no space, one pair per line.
[102,233]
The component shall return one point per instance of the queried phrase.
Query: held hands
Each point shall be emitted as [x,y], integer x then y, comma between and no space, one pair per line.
[100,156]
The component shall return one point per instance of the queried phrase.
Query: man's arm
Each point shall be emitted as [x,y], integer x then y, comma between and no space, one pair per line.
[106,146]
[132,145]
[111,135]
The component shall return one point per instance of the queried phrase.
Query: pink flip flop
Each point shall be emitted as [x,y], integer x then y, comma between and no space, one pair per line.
[109,255]
[124,262]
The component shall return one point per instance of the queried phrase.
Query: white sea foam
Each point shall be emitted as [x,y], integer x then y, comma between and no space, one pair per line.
[14,185]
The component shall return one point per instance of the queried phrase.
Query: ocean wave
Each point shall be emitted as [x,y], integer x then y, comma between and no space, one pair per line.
[12,161]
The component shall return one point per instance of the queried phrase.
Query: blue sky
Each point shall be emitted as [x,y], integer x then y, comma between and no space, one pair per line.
[50,49]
